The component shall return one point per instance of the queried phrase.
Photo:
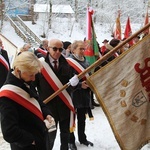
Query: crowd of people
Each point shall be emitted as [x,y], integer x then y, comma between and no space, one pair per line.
[27,122]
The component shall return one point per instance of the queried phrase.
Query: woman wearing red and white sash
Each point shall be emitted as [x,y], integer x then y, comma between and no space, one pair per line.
[4,64]
[55,73]
[23,117]
[81,94]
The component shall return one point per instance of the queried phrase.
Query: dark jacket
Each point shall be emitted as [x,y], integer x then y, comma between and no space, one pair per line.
[105,62]
[109,59]
[38,54]
[20,127]
[58,108]
[80,96]
[3,70]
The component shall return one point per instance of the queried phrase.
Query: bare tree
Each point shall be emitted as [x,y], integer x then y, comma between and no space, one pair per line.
[50,15]
[2,5]
[32,11]
[76,10]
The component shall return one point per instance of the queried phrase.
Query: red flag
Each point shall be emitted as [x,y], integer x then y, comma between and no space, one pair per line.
[128,31]
[89,23]
[117,32]
[146,22]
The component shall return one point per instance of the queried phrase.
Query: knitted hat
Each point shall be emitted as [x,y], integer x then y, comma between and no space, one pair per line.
[66,44]
[114,42]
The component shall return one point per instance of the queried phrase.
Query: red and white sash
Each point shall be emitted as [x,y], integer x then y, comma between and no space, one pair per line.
[76,66]
[22,98]
[55,83]
[4,62]
[42,51]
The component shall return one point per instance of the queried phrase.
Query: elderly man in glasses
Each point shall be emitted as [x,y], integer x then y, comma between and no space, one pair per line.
[55,73]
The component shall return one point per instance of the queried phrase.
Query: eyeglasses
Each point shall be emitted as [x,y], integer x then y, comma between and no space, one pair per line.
[82,49]
[55,49]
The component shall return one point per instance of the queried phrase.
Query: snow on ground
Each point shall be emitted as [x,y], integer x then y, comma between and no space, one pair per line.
[98,131]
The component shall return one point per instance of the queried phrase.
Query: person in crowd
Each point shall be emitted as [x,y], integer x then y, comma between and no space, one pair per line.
[136,39]
[125,46]
[4,64]
[26,47]
[103,48]
[42,50]
[67,49]
[113,43]
[23,116]
[94,102]
[80,95]
[55,73]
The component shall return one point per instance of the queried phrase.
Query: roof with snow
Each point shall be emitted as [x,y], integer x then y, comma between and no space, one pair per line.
[64,9]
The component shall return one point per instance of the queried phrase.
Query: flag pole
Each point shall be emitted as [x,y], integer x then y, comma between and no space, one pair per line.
[98,62]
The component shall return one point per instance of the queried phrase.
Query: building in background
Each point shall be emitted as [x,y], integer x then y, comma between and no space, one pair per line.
[19,7]
[41,10]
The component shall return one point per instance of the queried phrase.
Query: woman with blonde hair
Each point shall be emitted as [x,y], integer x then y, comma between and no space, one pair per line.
[23,116]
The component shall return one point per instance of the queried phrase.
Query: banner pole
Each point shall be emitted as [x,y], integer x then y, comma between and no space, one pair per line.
[98,62]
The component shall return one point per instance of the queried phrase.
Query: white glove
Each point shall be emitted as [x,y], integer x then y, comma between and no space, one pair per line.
[50,125]
[74,80]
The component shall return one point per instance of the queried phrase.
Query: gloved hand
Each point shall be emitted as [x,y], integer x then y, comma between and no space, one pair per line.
[74,80]
[50,125]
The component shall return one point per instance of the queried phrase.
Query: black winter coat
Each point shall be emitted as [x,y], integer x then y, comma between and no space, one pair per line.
[3,70]
[58,108]
[81,97]
[20,127]
[38,54]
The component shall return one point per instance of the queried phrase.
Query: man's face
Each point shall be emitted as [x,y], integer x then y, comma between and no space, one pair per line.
[55,49]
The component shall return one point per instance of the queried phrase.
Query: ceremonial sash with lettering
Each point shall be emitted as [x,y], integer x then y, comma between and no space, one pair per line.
[72,62]
[22,98]
[42,51]
[55,83]
[4,62]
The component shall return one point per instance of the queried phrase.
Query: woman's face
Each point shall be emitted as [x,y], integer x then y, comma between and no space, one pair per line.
[79,51]
[26,76]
